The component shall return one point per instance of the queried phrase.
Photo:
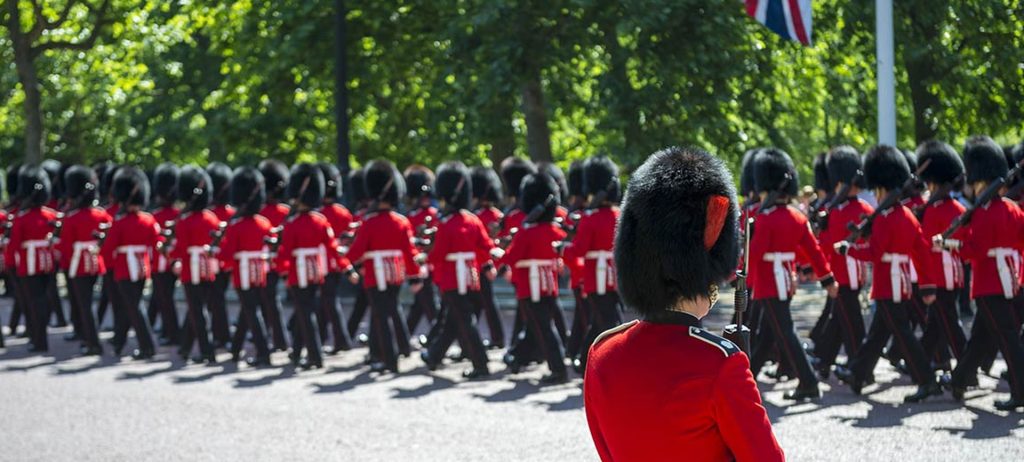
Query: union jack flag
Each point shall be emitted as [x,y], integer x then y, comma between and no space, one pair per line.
[789,18]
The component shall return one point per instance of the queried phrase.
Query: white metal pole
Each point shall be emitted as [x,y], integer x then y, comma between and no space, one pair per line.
[884,55]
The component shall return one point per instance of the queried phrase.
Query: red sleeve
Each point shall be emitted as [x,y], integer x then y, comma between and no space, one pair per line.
[741,418]
[810,248]
[109,245]
[437,254]
[284,250]
[484,244]
[594,424]
[581,241]
[412,269]
[63,245]
[926,276]
[12,244]
[228,246]
[868,250]
[331,244]
[359,243]
[515,251]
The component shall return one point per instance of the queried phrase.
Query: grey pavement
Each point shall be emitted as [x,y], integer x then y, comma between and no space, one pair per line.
[61,407]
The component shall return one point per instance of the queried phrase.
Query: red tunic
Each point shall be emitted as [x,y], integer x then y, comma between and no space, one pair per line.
[593,243]
[223,212]
[129,246]
[29,247]
[945,265]
[276,213]
[991,242]
[243,250]
[848,271]
[112,210]
[192,241]
[513,220]
[384,245]
[669,390]
[534,260]
[4,216]
[78,246]
[162,216]
[780,233]
[461,247]
[491,218]
[340,220]
[418,217]
[896,243]
[307,242]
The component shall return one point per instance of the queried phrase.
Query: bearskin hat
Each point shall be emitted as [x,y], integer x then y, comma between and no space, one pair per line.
[984,160]
[822,181]
[419,181]
[81,184]
[194,188]
[885,167]
[306,185]
[333,186]
[129,186]
[220,178]
[773,169]
[535,190]
[12,182]
[33,186]
[843,163]
[747,173]
[356,186]
[107,180]
[1017,152]
[574,179]
[165,183]
[248,190]
[943,163]
[486,185]
[382,182]
[556,174]
[275,176]
[454,185]
[678,197]
[53,171]
[600,174]
[513,169]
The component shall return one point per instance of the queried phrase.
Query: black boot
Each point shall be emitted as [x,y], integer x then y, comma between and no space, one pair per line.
[923,392]
[848,377]
[1010,405]
[803,393]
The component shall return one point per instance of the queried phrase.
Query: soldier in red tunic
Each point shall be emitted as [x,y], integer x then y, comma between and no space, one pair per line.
[361,204]
[513,170]
[535,265]
[461,258]
[895,243]
[108,287]
[161,300]
[594,244]
[127,251]
[576,207]
[244,252]
[53,169]
[79,249]
[330,315]
[422,215]
[11,279]
[384,247]
[275,175]
[780,233]
[31,253]
[487,193]
[992,242]
[663,385]
[220,178]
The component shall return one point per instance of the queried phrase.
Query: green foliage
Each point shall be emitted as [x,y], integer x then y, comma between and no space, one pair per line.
[432,80]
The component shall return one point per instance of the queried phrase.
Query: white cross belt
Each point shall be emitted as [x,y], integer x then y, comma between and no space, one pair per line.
[782,274]
[896,274]
[1008,265]
[603,257]
[535,265]
[31,248]
[78,249]
[378,257]
[131,256]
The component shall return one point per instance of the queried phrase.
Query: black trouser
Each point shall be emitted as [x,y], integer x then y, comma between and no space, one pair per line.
[383,310]
[81,289]
[559,320]
[777,328]
[272,311]
[125,298]
[195,330]
[161,300]
[14,283]
[995,327]
[459,323]
[845,328]
[250,320]
[895,322]
[964,298]
[423,305]
[820,326]
[331,314]
[36,302]
[604,315]
[304,317]
[358,310]
[107,288]
[580,324]
[218,308]
[944,333]
[540,334]
[54,298]
[489,306]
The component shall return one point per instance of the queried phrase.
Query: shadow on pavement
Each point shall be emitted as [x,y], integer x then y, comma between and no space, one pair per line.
[437,383]
[364,378]
[284,372]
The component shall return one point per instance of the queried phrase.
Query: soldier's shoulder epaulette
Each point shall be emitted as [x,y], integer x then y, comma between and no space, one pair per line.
[728,348]
[615,330]
[318,214]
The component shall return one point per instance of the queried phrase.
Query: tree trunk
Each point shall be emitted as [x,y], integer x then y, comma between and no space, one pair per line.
[29,79]
[538,134]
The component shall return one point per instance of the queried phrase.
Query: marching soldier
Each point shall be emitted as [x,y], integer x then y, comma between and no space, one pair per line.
[220,178]
[360,204]
[275,176]
[780,233]
[896,242]
[663,385]
[341,220]
[487,193]
[576,207]
[419,183]
[513,170]
[161,300]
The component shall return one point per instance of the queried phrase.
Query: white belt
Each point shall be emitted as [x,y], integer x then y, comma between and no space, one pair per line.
[195,259]
[782,274]
[853,271]
[948,271]
[31,248]
[1008,264]
[535,265]
[462,273]
[378,257]
[76,255]
[896,278]
[603,257]
[245,259]
[131,254]
[302,265]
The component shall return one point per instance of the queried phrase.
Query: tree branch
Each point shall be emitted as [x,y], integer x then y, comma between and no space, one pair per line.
[85,44]
[63,16]
[38,21]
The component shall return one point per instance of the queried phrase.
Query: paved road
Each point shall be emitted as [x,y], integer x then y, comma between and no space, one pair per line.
[65,408]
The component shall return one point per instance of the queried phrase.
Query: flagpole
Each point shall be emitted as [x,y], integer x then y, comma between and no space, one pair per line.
[884,56]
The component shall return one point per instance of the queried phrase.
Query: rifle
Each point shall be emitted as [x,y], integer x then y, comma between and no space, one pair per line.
[58,226]
[168,233]
[940,194]
[217,235]
[986,196]
[739,333]
[863,228]
[820,219]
